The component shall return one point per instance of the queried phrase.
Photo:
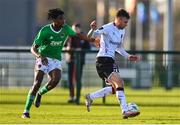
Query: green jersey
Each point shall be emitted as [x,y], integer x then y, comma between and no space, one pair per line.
[51,42]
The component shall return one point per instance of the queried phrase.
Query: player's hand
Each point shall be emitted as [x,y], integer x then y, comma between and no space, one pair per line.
[44,60]
[134,58]
[93,25]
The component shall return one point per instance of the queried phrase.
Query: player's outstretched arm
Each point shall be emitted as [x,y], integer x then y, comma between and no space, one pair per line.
[96,42]
[88,37]
[130,57]
[84,37]
[93,26]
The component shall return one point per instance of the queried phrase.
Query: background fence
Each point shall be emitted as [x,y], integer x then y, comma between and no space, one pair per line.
[156,69]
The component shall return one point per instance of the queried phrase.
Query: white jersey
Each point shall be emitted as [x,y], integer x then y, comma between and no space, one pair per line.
[111,40]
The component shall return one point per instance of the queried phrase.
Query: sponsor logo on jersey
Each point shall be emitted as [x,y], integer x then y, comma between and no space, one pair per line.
[113,43]
[56,43]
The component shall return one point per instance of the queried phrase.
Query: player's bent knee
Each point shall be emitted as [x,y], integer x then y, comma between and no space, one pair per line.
[116,80]
[52,84]
[114,77]
[55,81]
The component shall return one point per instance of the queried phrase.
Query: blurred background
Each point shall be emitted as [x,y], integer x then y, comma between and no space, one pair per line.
[153,32]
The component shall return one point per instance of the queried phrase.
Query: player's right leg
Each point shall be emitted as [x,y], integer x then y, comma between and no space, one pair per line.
[97,94]
[104,67]
[32,93]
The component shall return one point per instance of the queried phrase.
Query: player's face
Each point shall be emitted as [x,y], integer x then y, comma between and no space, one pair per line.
[59,21]
[121,22]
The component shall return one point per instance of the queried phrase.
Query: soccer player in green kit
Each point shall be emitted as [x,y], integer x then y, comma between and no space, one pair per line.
[47,48]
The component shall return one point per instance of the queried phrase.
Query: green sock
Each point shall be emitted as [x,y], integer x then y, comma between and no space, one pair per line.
[43,90]
[29,101]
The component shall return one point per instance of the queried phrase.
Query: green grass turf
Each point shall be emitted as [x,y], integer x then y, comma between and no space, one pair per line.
[157,106]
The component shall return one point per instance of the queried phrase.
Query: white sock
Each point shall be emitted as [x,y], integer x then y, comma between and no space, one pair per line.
[101,93]
[122,100]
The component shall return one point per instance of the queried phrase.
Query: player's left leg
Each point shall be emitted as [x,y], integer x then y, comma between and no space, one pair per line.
[118,83]
[54,78]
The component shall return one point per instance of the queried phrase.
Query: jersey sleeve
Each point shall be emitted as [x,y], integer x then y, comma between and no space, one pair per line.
[39,38]
[121,49]
[70,31]
[101,31]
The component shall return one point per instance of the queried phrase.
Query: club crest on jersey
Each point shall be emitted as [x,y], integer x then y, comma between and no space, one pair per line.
[51,37]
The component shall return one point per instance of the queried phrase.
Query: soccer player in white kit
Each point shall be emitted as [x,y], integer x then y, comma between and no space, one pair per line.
[111,37]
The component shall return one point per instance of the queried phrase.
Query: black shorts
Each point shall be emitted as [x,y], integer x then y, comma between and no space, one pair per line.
[104,66]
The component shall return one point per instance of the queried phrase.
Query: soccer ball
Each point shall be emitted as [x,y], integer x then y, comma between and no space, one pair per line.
[133,107]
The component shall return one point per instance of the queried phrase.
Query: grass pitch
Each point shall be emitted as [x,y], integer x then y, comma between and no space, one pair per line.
[157,106]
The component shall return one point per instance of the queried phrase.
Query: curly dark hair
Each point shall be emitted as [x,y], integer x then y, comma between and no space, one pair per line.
[54,13]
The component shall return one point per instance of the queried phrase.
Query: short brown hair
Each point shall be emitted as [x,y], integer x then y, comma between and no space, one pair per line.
[122,13]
